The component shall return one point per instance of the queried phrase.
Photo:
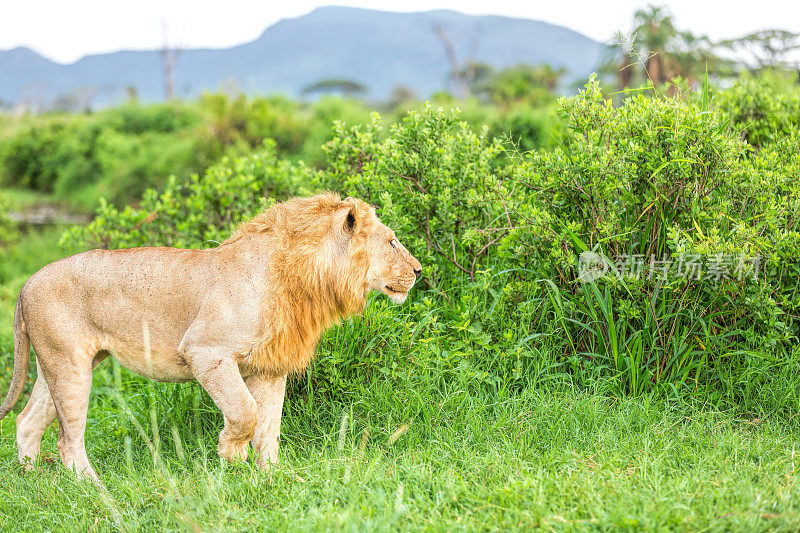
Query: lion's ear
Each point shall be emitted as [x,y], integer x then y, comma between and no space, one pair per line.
[351,217]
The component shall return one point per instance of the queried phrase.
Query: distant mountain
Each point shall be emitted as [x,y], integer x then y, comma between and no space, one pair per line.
[378,49]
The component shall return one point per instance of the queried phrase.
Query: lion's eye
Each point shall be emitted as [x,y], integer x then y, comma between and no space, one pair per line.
[393,243]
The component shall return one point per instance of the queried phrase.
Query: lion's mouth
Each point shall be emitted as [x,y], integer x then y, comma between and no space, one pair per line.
[393,290]
[396,295]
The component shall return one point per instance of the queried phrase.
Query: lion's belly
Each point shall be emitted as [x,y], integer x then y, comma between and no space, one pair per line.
[155,364]
[158,370]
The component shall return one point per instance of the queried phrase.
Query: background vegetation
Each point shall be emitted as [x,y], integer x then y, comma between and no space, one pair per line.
[118,153]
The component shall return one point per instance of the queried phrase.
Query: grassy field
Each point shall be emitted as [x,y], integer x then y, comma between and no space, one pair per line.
[551,458]
[22,199]
[417,454]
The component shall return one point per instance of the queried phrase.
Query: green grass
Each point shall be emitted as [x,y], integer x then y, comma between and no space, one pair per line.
[552,458]
[22,199]
[35,249]
[423,450]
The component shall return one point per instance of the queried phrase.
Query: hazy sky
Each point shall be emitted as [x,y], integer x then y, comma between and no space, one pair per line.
[66,30]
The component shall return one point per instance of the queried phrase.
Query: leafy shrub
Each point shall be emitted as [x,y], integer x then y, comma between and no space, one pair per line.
[662,179]
[499,234]
[161,118]
[120,152]
[323,113]
[762,110]
[36,156]
[198,213]
[235,126]
[525,126]
[129,164]
[432,178]
[528,128]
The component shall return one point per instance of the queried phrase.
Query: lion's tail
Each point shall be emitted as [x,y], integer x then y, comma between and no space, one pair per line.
[22,358]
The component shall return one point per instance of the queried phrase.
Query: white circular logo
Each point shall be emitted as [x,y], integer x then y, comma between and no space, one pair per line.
[591,266]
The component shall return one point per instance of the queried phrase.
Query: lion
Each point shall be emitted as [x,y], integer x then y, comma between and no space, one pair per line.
[237,318]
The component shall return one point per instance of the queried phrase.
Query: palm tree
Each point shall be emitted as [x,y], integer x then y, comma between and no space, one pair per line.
[653,32]
[769,49]
[657,50]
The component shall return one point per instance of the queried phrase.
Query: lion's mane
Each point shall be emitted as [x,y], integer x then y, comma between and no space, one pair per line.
[317,273]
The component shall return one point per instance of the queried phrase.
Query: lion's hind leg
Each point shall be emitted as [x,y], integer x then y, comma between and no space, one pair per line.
[70,381]
[32,422]
[36,417]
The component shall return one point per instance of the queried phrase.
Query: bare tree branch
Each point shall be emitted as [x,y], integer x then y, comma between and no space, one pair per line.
[169,55]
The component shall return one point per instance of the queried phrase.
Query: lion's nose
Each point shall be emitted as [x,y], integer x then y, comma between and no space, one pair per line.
[418,272]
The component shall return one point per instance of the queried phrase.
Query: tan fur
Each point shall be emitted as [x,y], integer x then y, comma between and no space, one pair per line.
[312,290]
[238,318]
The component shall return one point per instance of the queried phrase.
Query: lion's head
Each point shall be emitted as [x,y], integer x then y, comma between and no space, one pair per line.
[336,250]
[390,267]
[325,256]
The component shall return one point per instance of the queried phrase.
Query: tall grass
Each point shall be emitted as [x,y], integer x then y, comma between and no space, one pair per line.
[411,457]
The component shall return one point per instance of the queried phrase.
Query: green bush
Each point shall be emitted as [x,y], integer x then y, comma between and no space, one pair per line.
[235,126]
[762,110]
[129,164]
[322,115]
[36,156]
[500,234]
[664,179]
[120,152]
[197,213]
[136,119]
[528,128]
[432,178]
[525,126]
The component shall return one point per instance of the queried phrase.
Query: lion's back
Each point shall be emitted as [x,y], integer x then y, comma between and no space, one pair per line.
[106,287]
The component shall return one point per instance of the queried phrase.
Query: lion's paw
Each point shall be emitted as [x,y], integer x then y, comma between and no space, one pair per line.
[233,451]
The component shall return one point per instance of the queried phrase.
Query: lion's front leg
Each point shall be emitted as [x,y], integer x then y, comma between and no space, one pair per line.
[221,378]
[268,395]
